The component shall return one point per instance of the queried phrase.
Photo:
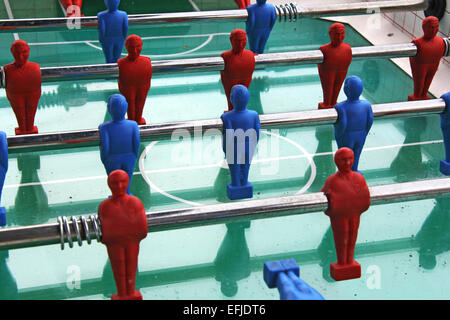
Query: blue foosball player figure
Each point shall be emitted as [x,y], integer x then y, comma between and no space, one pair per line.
[355,118]
[285,275]
[119,138]
[112,30]
[260,21]
[241,129]
[445,126]
[3,169]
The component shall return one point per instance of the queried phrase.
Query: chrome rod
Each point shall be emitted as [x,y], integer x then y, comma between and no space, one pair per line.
[111,70]
[284,12]
[360,8]
[275,120]
[45,234]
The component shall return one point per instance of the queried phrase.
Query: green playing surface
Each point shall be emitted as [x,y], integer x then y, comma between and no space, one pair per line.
[402,247]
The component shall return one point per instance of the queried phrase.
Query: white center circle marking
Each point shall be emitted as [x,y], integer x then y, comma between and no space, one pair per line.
[222,163]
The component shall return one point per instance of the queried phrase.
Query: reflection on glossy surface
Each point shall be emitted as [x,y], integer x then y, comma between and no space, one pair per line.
[327,254]
[220,184]
[31,202]
[233,258]
[8,284]
[434,235]
[138,186]
[410,156]
[325,164]
[258,86]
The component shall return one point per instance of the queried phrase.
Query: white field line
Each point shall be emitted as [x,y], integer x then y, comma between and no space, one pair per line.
[184,168]
[143,38]
[194,5]
[10,16]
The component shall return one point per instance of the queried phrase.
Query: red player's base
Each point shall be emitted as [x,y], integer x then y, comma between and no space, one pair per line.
[324,106]
[411,97]
[345,272]
[135,296]
[20,132]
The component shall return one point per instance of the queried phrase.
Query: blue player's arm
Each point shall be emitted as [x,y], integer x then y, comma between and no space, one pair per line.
[250,18]
[369,117]
[101,27]
[136,140]
[104,143]
[224,133]
[3,151]
[341,123]
[125,24]
[273,17]
[445,116]
[257,127]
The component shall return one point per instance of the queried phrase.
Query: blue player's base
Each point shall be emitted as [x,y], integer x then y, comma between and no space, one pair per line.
[2,217]
[445,167]
[345,272]
[239,192]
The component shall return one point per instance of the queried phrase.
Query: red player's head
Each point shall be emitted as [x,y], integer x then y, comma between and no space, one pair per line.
[20,51]
[238,39]
[134,46]
[118,183]
[337,33]
[344,158]
[430,26]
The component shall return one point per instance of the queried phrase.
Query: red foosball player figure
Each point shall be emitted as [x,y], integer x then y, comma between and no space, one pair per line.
[239,64]
[70,7]
[124,225]
[430,50]
[337,57]
[23,87]
[348,197]
[135,74]
[242,3]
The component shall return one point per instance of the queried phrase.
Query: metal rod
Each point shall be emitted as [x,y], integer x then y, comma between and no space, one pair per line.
[111,70]
[44,234]
[275,120]
[284,12]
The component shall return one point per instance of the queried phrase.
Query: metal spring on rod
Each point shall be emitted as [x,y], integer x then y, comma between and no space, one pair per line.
[66,234]
[447,47]
[287,10]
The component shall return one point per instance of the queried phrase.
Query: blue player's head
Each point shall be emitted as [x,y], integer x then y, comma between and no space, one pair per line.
[239,97]
[260,2]
[353,87]
[117,107]
[112,5]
